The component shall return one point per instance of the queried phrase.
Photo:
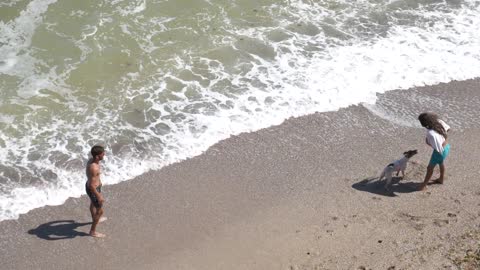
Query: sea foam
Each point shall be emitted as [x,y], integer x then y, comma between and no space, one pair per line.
[282,71]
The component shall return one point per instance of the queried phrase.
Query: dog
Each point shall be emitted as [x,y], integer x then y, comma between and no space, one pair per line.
[396,166]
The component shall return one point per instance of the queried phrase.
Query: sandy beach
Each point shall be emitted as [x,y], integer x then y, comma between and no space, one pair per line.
[299,196]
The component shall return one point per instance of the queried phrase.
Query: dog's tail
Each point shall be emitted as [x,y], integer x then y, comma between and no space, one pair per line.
[381,175]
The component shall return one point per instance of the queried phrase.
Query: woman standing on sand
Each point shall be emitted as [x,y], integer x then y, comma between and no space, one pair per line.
[437,138]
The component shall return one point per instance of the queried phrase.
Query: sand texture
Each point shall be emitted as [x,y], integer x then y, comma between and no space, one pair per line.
[302,195]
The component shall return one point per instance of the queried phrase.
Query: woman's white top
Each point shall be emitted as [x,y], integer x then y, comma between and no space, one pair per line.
[436,140]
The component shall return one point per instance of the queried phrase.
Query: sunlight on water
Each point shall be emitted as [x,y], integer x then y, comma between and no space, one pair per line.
[161,81]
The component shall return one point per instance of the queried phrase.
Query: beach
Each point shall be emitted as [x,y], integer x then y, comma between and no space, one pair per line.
[300,195]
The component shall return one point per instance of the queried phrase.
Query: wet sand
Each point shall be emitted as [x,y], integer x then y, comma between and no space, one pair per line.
[302,195]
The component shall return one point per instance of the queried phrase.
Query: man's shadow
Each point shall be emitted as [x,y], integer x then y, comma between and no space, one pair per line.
[372,185]
[59,230]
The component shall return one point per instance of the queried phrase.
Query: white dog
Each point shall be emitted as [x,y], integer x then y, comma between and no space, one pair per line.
[396,166]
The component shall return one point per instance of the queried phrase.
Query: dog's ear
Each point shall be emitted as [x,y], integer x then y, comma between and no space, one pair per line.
[410,152]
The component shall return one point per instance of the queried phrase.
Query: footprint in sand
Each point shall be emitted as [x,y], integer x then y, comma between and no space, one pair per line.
[452,216]
[457,201]
[410,217]
[414,221]
[441,222]
[419,226]
[415,170]
[425,194]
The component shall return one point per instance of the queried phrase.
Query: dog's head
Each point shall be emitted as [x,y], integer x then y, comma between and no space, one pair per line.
[410,153]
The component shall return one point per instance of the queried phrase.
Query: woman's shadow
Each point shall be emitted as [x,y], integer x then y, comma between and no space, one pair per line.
[59,230]
[372,185]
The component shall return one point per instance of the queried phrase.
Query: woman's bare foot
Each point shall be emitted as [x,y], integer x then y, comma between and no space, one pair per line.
[422,187]
[437,181]
[97,235]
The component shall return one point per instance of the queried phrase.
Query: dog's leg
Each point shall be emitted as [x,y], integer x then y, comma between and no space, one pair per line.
[387,184]
[388,178]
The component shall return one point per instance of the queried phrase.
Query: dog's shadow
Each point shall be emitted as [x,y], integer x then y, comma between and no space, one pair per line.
[372,185]
[59,230]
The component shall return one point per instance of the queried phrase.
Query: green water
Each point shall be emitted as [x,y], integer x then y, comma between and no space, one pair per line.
[160,81]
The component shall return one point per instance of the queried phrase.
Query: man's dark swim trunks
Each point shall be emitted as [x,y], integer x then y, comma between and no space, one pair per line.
[92,196]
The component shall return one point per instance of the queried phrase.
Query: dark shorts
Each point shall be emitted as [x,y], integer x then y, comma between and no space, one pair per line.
[92,196]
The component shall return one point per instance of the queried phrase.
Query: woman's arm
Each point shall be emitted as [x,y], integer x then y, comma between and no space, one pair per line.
[426,141]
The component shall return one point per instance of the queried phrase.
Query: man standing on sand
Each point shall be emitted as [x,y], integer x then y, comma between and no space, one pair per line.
[94,188]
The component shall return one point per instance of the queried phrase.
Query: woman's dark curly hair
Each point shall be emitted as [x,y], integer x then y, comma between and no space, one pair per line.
[430,121]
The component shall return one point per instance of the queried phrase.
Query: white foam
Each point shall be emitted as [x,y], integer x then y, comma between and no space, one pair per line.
[7,119]
[8,63]
[133,7]
[9,3]
[16,35]
[293,83]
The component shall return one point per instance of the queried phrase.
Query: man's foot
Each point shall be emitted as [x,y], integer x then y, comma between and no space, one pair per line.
[102,219]
[97,234]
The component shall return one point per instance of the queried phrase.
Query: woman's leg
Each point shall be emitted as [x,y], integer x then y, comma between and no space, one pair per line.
[442,173]
[427,176]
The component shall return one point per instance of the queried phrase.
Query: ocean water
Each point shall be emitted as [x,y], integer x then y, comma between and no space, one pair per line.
[159,81]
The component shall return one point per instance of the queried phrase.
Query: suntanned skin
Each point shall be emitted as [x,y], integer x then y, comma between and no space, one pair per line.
[430,172]
[93,176]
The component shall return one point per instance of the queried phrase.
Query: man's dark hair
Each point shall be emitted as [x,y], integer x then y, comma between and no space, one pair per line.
[97,150]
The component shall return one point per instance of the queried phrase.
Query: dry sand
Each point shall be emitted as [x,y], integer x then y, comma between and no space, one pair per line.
[294,196]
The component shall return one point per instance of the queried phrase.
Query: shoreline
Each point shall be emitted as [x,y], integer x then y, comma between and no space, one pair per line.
[283,197]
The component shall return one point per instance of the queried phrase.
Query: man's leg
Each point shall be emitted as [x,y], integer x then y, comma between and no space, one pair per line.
[93,211]
[427,176]
[96,219]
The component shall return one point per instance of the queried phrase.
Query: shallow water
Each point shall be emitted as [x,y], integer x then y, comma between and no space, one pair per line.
[160,81]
